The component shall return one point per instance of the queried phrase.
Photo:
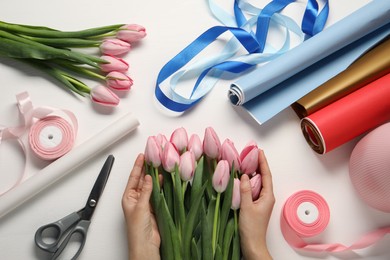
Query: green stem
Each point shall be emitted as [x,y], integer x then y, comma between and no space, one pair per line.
[156,176]
[173,180]
[235,222]
[39,31]
[20,47]
[184,188]
[68,81]
[80,70]
[66,42]
[77,83]
[215,223]
[214,164]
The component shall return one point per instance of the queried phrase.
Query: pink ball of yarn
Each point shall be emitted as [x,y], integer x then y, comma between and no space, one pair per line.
[369,168]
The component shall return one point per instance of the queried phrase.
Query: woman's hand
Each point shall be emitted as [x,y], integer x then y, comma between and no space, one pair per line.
[255,215]
[142,231]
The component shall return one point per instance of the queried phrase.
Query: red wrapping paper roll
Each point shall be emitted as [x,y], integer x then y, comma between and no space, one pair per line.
[348,117]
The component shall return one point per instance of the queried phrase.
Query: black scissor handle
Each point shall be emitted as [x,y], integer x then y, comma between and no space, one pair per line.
[80,233]
[49,236]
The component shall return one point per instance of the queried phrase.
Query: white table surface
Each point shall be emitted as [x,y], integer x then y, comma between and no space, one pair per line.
[171,25]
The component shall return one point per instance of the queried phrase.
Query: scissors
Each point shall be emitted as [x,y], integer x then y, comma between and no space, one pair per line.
[54,237]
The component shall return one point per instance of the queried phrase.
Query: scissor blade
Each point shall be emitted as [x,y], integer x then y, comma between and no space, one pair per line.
[98,188]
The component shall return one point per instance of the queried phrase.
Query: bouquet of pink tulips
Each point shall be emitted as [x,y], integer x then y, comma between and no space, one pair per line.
[58,53]
[196,195]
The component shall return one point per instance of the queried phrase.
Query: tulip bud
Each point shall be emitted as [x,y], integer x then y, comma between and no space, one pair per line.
[236,197]
[114,47]
[162,140]
[170,157]
[195,145]
[114,64]
[187,166]
[179,138]
[256,186]
[119,81]
[229,153]
[221,176]
[131,33]
[153,152]
[249,159]
[103,96]
[211,144]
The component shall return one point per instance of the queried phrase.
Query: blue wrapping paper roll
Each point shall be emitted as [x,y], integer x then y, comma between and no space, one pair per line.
[261,81]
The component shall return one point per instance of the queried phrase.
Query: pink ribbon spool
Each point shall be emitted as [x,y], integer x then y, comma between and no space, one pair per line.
[369,168]
[51,132]
[51,137]
[306,214]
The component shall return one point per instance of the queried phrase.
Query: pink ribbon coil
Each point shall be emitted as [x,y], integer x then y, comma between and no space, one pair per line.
[369,168]
[51,131]
[51,137]
[306,214]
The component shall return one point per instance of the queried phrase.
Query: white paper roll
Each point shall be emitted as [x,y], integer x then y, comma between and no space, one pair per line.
[67,163]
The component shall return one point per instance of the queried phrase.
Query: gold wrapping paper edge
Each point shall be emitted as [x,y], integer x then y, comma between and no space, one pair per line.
[374,64]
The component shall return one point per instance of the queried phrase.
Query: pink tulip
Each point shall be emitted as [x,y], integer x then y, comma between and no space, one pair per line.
[249,159]
[236,197]
[211,144]
[114,64]
[153,152]
[179,138]
[103,96]
[195,145]
[119,81]
[221,176]
[131,33]
[187,166]
[170,157]
[229,153]
[162,140]
[114,47]
[256,186]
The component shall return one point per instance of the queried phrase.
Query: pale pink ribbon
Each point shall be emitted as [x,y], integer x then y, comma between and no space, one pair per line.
[34,120]
[295,230]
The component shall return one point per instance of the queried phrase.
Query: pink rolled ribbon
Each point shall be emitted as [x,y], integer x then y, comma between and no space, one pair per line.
[51,137]
[51,131]
[369,168]
[306,214]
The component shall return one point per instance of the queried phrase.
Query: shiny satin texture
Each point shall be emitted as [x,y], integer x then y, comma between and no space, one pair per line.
[374,64]
[298,224]
[51,132]
[51,137]
[254,43]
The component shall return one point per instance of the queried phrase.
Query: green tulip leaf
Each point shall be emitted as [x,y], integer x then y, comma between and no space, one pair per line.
[190,225]
[206,223]
[226,205]
[197,181]
[227,239]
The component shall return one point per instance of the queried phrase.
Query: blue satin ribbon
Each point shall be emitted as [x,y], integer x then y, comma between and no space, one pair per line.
[242,36]
[187,54]
[264,19]
[314,22]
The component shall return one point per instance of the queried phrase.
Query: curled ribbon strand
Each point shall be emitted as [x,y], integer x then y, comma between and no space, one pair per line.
[253,42]
[51,132]
[296,227]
